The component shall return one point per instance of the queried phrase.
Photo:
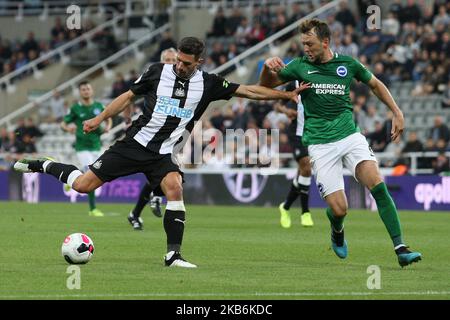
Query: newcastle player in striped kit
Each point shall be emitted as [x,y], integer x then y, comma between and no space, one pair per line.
[175,97]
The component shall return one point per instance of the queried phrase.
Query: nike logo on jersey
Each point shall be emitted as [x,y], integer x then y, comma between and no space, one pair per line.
[312,71]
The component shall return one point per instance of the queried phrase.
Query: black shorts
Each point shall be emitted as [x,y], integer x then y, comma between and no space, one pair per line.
[300,151]
[127,157]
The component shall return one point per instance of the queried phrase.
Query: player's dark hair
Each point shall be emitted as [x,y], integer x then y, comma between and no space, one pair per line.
[192,45]
[82,83]
[320,28]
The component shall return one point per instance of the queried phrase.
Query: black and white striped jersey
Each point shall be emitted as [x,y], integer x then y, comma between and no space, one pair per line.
[173,104]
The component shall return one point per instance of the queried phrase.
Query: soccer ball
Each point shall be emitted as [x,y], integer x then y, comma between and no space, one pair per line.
[77,248]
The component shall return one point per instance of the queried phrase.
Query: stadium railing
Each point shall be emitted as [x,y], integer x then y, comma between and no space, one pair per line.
[131,48]
[32,66]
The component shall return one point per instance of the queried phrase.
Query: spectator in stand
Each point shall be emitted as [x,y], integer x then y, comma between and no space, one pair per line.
[391,26]
[259,110]
[32,130]
[20,129]
[446,97]
[26,145]
[21,60]
[58,28]
[441,164]
[119,86]
[241,115]
[439,131]
[370,43]
[349,48]
[233,21]
[208,65]
[410,13]
[413,144]
[379,72]
[57,109]
[30,44]
[217,120]
[257,34]
[344,15]
[243,32]
[274,117]
[217,51]
[219,23]
[370,119]
[166,42]
[228,119]
[377,138]
[294,50]
[394,148]
[296,13]
[232,51]
[442,17]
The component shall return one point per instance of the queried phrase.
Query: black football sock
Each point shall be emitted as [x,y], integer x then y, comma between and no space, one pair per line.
[174,227]
[144,198]
[304,197]
[66,173]
[292,195]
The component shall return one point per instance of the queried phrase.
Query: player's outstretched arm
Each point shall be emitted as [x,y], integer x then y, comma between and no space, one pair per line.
[115,107]
[380,90]
[256,92]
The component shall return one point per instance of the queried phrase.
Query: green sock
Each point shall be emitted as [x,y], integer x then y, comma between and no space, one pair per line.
[91,197]
[388,212]
[336,222]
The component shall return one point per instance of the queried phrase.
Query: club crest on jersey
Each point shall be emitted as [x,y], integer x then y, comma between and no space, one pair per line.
[341,71]
[180,92]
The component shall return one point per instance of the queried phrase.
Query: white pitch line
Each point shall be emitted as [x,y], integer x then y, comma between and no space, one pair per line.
[254,294]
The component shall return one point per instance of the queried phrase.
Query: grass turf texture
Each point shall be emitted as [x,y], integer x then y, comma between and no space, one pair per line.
[242,253]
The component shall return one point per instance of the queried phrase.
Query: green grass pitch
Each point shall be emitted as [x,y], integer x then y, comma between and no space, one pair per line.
[242,253]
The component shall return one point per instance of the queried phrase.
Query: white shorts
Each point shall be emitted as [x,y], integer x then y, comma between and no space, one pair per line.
[87,157]
[328,161]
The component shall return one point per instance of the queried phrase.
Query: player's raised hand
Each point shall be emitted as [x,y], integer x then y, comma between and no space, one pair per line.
[274,64]
[398,125]
[303,86]
[91,124]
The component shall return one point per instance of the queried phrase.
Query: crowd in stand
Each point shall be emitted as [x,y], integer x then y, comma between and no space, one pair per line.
[18,52]
[413,45]
[21,140]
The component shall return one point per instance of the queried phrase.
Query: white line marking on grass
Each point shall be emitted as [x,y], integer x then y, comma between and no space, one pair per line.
[231,295]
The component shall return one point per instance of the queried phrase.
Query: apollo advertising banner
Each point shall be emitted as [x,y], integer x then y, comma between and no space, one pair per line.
[409,192]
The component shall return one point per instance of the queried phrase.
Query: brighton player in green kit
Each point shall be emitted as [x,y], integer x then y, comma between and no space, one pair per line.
[87,145]
[334,141]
